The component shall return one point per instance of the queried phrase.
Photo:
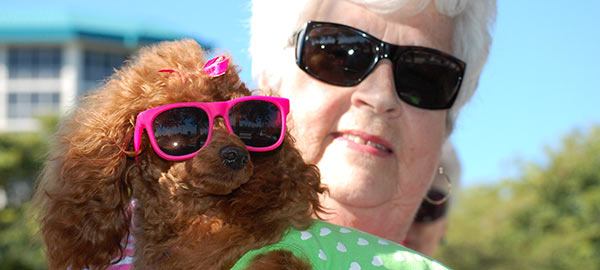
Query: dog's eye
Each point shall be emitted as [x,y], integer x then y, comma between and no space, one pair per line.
[181,131]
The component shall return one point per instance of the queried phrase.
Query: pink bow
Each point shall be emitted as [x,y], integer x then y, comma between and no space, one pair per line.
[216,67]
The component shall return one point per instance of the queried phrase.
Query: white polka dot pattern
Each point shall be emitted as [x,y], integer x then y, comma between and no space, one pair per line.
[362,250]
[322,255]
[362,242]
[377,261]
[305,236]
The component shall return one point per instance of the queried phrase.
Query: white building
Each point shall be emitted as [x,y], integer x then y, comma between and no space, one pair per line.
[47,60]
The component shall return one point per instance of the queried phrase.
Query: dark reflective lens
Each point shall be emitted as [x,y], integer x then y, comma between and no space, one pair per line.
[426,80]
[257,123]
[338,56]
[181,131]
[429,212]
[344,56]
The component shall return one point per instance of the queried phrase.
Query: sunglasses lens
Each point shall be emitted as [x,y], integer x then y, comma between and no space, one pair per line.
[429,212]
[426,79]
[181,131]
[336,55]
[344,56]
[258,123]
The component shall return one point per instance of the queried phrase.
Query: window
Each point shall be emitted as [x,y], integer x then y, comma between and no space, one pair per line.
[29,105]
[100,65]
[34,63]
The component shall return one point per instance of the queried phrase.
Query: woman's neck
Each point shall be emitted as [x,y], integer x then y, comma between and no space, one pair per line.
[388,221]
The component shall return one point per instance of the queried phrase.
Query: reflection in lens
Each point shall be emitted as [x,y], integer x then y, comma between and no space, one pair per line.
[181,131]
[338,56]
[426,80]
[256,122]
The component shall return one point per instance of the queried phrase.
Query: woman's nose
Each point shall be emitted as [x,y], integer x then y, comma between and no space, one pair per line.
[377,92]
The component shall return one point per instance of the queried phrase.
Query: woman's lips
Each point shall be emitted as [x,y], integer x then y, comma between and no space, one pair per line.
[365,143]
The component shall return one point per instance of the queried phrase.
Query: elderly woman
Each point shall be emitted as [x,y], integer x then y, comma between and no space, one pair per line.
[375,88]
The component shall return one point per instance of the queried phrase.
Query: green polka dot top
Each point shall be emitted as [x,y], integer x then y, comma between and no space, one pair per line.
[328,246]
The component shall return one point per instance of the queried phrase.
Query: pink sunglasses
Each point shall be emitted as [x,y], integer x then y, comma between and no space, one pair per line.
[179,131]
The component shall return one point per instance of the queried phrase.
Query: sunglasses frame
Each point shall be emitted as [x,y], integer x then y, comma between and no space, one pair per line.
[383,50]
[212,109]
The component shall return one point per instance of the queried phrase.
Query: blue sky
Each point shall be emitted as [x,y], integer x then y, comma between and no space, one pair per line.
[542,79]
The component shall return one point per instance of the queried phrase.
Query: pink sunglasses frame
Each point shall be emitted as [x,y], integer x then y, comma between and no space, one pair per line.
[212,109]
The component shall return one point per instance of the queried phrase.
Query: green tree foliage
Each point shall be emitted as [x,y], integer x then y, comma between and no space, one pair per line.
[20,247]
[21,157]
[547,219]
[22,154]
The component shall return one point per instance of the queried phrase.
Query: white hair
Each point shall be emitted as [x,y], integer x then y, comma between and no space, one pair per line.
[450,162]
[274,22]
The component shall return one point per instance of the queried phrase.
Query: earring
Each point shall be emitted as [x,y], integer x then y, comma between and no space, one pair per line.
[447,196]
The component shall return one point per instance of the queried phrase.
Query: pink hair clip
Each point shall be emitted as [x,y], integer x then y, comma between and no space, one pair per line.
[216,67]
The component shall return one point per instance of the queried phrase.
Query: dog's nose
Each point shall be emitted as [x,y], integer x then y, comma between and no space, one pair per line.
[234,157]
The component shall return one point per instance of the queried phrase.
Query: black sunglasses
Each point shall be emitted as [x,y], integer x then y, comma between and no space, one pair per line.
[344,56]
[429,212]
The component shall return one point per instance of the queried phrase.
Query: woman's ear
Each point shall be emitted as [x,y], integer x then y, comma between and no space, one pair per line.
[83,196]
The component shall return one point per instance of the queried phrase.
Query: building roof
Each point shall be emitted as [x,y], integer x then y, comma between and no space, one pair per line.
[64,26]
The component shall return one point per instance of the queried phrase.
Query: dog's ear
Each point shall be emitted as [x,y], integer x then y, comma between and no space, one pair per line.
[297,185]
[305,177]
[83,197]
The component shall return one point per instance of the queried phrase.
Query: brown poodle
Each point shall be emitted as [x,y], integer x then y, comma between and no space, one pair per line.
[197,213]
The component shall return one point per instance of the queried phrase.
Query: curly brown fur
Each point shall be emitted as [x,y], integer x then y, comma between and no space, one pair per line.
[279,259]
[192,214]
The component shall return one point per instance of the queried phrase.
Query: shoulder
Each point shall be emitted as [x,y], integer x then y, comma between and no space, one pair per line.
[328,246]
[355,249]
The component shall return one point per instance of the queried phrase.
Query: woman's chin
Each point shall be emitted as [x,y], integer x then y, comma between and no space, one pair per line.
[357,190]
